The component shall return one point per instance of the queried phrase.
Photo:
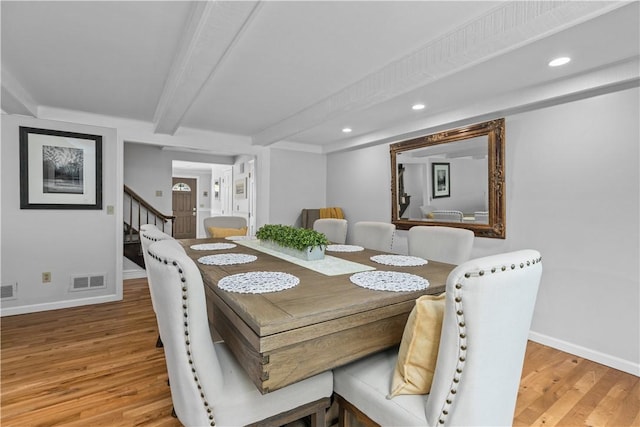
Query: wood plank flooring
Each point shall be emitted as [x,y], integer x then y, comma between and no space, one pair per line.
[98,366]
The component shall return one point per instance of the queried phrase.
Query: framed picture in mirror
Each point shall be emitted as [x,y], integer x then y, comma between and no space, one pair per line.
[441,180]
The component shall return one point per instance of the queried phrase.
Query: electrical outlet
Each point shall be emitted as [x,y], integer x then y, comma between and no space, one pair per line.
[46,277]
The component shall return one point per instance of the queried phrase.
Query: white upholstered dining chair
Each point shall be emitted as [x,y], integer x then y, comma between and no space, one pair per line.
[222,221]
[442,244]
[149,234]
[145,227]
[335,229]
[208,385]
[487,314]
[373,235]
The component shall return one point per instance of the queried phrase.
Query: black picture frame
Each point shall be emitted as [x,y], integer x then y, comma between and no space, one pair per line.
[60,170]
[441,180]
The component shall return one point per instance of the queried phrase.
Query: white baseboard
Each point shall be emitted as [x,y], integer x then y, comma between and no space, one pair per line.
[134,274]
[34,308]
[587,353]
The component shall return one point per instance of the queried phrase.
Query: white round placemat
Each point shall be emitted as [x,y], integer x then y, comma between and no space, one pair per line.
[212,246]
[344,248]
[389,281]
[227,259]
[258,282]
[399,260]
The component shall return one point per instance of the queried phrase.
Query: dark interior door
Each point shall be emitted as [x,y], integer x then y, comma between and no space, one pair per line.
[184,207]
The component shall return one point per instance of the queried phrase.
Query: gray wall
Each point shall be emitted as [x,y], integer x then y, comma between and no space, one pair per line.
[65,243]
[573,194]
[297,181]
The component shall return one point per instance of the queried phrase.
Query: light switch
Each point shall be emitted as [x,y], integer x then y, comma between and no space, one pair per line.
[158,193]
[110,210]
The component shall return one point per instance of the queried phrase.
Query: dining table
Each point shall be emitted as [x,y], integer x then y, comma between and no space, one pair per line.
[321,315]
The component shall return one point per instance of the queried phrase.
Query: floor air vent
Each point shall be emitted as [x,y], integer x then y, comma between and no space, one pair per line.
[7,292]
[83,283]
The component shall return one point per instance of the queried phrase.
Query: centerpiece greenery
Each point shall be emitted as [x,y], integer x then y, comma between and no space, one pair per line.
[291,237]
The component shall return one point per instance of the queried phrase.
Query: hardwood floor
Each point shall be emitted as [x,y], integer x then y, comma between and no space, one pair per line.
[98,366]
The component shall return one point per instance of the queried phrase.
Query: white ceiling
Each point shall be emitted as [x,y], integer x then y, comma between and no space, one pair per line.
[300,71]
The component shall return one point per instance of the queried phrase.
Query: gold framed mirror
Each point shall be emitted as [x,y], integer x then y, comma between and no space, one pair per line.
[454,178]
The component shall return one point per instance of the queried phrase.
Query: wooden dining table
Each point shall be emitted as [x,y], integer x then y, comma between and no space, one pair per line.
[324,322]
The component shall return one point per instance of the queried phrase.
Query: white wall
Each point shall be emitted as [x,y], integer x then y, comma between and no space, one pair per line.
[359,181]
[147,169]
[297,181]
[64,242]
[572,188]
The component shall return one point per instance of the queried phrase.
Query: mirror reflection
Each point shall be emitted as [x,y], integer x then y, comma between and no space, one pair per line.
[445,182]
[453,178]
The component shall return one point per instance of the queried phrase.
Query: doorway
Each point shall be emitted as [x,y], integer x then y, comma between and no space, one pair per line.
[184,199]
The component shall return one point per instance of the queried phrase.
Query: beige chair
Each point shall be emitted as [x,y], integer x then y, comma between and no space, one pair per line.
[223,222]
[335,229]
[487,314]
[442,244]
[373,235]
[208,385]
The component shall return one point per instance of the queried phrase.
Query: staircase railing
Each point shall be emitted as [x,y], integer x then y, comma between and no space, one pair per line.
[138,212]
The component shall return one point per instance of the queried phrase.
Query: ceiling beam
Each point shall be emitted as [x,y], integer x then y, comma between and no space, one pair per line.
[503,29]
[213,29]
[15,98]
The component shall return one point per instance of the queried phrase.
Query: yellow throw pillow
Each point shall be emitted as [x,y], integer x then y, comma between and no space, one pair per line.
[226,232]
[419,347]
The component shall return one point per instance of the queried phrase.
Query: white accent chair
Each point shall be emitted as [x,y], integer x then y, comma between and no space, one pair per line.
[447,215]
[145,227]
[488,309]
[223,222]
[442,244]
[374,235]
[150,234]
[208,385]
[335,229]
[481,216]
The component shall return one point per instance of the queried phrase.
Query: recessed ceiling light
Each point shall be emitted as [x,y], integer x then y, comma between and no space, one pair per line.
[346,130]
[559,61]
[417,107]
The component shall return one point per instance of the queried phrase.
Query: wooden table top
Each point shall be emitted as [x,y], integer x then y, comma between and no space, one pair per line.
[324,322]
[317,298]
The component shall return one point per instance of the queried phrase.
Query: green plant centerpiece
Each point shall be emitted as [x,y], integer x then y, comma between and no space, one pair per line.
[299,242]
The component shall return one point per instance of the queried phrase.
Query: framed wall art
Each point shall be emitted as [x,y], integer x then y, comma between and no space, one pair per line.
[240,188]
[60,170]
[441,180]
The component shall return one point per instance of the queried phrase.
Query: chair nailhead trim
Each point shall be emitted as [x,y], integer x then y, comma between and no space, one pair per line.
[185,311]
[462,333]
